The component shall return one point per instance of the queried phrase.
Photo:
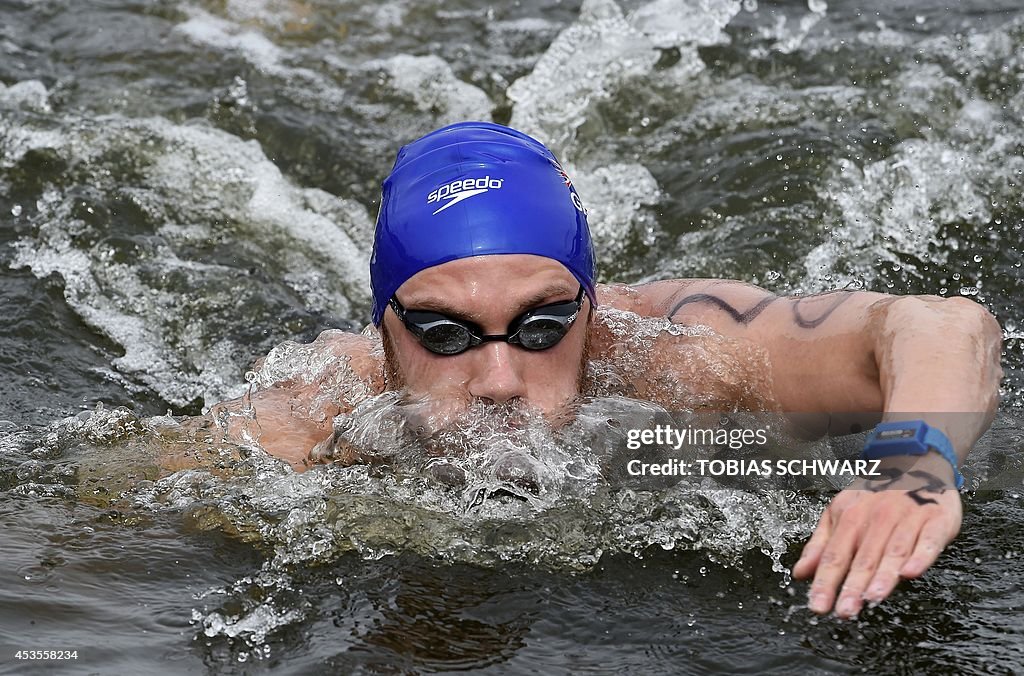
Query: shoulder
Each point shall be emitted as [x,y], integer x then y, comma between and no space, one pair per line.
[689,300]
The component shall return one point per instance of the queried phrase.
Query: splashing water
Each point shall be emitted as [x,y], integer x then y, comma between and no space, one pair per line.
[186,190]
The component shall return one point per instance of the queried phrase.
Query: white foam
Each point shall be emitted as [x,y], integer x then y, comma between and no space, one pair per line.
[435,89]
[617,198]
[586,62]
[206,29]
[786,39]
[591,60]
[670,23]
[256,194]
[198,183]
[301,83]
[889,211]
[27,95]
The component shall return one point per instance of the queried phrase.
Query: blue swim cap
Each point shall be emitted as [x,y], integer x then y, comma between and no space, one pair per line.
[473,189]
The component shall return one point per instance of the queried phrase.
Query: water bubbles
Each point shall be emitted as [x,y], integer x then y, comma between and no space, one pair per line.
[750,6]
[16,210]
[968,291]
[977,258]
[817,6]
[919,19]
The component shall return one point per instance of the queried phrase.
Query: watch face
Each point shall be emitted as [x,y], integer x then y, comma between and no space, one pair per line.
[889,435]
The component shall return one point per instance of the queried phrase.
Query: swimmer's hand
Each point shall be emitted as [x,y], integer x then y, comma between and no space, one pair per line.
[879,531]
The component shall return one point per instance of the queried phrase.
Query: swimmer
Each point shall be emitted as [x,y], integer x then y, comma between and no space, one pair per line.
[484,293]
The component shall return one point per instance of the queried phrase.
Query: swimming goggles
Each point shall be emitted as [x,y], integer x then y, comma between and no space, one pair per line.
[536,329]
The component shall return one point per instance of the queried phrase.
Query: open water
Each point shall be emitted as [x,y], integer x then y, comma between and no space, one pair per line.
[185,184]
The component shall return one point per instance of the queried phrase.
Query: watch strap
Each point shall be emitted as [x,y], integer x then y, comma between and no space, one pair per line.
[923,438]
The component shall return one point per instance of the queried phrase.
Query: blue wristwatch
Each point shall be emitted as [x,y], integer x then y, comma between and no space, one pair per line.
[910,437]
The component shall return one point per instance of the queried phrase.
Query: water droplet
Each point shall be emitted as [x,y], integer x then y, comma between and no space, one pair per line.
[977,258]
[919,19]
[750,5]
[16,210]
[778,157]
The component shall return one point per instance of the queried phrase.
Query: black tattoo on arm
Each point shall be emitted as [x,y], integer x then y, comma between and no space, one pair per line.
[744,317]
[805,323]
[890,475]
[800,317]
[934,485]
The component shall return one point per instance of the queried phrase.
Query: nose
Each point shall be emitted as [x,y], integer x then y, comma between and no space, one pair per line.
[496,376]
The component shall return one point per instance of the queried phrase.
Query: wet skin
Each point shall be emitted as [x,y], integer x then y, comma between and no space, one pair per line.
[866,353]
[490,291]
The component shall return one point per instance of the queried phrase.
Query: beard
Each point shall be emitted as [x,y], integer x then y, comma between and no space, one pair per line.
[457,438]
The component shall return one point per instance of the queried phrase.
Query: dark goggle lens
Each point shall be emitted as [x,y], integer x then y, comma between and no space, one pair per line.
[446,338]
[537,329]
[540,334]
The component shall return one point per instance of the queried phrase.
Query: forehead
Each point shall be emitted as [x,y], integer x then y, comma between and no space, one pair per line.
[503,278]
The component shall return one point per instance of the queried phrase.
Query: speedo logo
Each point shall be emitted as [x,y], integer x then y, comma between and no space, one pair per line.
[456,191]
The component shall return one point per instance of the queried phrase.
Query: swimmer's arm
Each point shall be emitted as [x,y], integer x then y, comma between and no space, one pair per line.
[937,360]
[275,420]
[855,351]
[918,357]
[291,420]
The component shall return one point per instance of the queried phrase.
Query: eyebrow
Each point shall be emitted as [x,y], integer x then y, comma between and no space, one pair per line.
[440,305]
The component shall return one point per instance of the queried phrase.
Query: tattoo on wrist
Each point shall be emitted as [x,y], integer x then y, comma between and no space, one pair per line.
[934,485]
[890,475]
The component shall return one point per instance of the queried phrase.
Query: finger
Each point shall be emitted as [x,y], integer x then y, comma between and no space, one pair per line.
[865,563]
[815,546]
[897,551]
[835,562]
[930,543]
